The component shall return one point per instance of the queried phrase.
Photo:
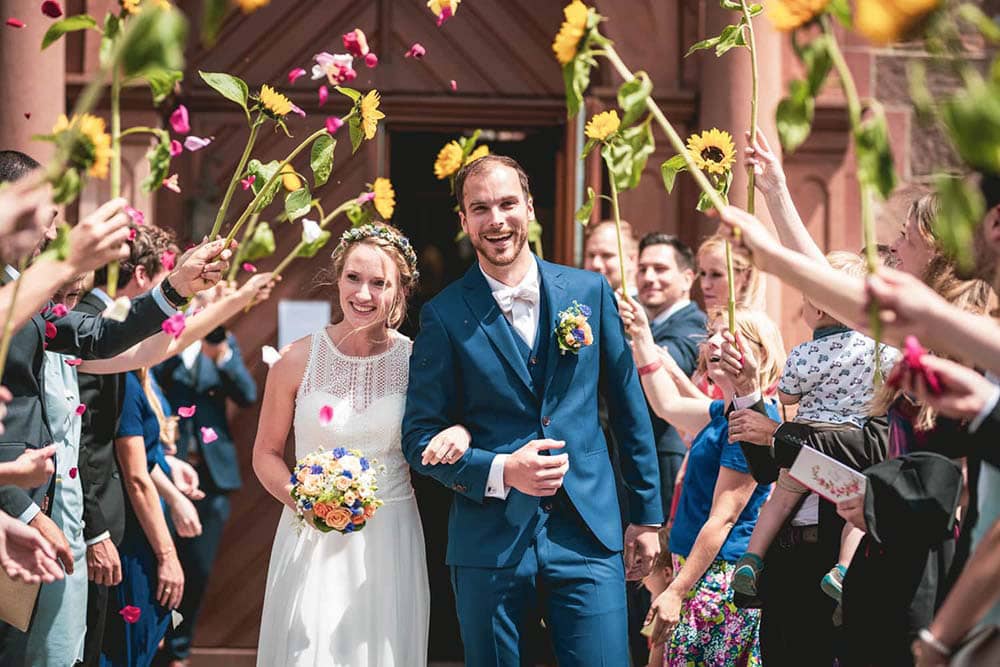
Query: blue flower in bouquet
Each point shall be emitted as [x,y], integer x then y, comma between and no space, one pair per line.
[293,479]
[572,330]
[306,505]
[339,452]
[347,474]
[349,528]
[364,464]
[585,310]
[316,469]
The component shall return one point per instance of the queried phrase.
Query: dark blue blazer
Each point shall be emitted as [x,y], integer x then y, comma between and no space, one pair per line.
[680,334]
[207,386]
[466,369]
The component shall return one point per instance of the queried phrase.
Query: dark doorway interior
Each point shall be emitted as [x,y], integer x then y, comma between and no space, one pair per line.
[427,216]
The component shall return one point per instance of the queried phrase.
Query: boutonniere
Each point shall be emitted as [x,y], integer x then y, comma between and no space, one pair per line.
[572,330]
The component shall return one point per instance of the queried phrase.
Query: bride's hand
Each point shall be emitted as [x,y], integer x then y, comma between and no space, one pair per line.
[447,446]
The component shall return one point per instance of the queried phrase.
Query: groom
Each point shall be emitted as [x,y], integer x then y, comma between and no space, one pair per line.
[535,525]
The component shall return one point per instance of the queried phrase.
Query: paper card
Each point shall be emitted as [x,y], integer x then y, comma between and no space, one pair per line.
[826,476]
[175,618]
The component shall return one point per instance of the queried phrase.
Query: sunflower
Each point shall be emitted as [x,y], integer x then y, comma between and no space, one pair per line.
[481,151]
[713,150]
[91,149]
[385,197]
[250,6]
[571,31]
[276,104]
[449,160]
[289,179]
[787,15]
[602,125]
[888,21]
[370,115]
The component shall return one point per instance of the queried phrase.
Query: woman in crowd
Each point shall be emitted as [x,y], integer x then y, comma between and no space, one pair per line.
[720,499]
[748,281]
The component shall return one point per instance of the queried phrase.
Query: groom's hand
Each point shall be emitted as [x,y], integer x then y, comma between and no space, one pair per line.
[531,472]
[642,546]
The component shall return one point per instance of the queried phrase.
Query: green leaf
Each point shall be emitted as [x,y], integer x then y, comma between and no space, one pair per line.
[794,116]
[153,39]
[359,215]
[817,60]
[298,203]
[669,170]
[310,249]
[576,78]
[231,87]
[321,159]
[972,118]
[68,24]
[731,5]
[703,44]
[262,173]
[159,163]
[112,28]
[632,96]
[212,15]
[535,237]
[584,212]
[731,37]
[975,16]
[841,10]
[587,147]
[357,134]
[721,186]
[57,250]
[261,244]
[349,92]
[756,9]
[162,82]
[871,143]
[961,208]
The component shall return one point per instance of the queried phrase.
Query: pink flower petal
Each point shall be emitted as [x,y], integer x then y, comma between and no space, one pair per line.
[73,472]
[80,409]
[416,51]
[170,183]
[249,268]
[299,111]
[371,60]
[15,23]
[187,411]
[50,330]
[356,43]
[74,362]
[174,325]
[60,310]
[179,120]
[130,614]
[193,143]
[208,435]
[365,197]
[176,148]
[453,85]
[27,115]
[325,415]
[445,14]
[137,216]
[323,93]
[131,233]
[333,123]
[168,258]
[52,9]
[248,181]
[294,75]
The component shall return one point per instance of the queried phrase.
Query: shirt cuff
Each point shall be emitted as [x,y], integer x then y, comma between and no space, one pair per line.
[29,514]
[742,402]
[985,412]
[494,483]
[162,302]
[224,359]
[106,535]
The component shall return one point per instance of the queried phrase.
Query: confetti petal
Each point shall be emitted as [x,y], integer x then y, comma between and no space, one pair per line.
[324,94]
[453,85]
[248,181]
[74,362]
[187,412]
[193,143]
[27,115]
[60,310]
[15,23]
[118,310]
[333,123]
[73,472]
[138,217]
[168,258]
[176,148]
[130,614]
[52,9]
[179,120]
[50,331]
[416,51]
[170,183]
[298,111]
[271,356]
[131,233]
[294,75]
[356,43]
[249,268]
[80,409]
[371,60]
[208,435]
[325,415]
[174,325]
[310,230]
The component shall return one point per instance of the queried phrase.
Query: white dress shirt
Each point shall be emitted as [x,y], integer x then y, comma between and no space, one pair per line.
[519,305]
[665,315]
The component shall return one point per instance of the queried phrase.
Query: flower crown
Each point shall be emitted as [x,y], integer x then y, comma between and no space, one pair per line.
[371,231]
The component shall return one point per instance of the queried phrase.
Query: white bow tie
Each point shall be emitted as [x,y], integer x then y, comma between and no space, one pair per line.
[506,297]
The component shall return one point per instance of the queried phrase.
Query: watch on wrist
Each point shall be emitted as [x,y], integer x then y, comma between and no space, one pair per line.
[172,295]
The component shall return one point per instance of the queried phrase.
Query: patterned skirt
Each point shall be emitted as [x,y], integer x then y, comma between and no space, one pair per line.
[712,630]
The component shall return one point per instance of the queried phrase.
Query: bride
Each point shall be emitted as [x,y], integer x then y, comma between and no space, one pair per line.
[358,599]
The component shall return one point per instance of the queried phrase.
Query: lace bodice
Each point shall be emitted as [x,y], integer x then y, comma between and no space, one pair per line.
[368,395]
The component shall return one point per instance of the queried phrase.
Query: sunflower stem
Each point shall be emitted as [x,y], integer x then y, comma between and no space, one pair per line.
[283,264]
[752,46]
[8,325]
[241,165]
[867,220]
[241,250]
[731,297]
[672,136]
[618,228]
[139,129]
[115,180]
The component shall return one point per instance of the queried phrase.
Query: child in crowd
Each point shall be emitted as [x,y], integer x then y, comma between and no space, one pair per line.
[832,379]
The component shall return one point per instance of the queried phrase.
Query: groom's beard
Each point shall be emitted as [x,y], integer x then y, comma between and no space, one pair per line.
[485,249]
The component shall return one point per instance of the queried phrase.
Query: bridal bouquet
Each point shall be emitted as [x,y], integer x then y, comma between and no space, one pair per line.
[335,490]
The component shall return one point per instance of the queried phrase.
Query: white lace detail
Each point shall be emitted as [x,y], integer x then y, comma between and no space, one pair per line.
[368,396]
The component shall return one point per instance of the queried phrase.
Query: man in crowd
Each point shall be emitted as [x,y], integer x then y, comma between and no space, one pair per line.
[600,253]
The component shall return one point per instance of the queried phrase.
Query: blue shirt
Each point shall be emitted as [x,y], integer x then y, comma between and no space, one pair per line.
[711,450]
[138,419]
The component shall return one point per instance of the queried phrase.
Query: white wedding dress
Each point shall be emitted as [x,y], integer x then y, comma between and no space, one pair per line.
[361,599]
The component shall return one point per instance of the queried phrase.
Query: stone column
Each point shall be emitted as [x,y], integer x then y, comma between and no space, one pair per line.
[33,81]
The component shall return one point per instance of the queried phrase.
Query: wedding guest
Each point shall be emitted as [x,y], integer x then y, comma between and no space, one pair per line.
[26,208]
[748,283]
[600,253]
[720,500]
[24,554]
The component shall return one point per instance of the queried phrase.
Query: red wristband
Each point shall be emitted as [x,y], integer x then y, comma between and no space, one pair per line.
[651,368]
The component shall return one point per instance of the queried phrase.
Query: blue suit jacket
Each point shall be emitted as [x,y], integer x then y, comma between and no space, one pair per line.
[466,369]
[207,386]
[680,334]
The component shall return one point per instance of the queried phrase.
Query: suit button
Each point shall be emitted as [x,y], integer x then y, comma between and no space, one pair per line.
[547,506]
[546,421]
[461,488]
[533,361]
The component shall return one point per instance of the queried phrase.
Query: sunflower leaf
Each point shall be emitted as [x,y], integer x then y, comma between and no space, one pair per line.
[632,96]
[972,117]
[626,159]
[730,37]
[357,134]
[576,78]
[154,38]
[349,92]
[589,146]
[231,87]
[756,9]
[730,5]
[161,82]
[212,15]
[816,57]
[298,204]
[262,173]
[159,162]
[794,116]
[67,186]
[261,244]
[961,208]
[871,143]
[57,250]
[112,28]
[359,215]
[68,24]
[310,249]
[669,170]
[721,186]
[584,212]
[841,10]
[703,44]
[321,159]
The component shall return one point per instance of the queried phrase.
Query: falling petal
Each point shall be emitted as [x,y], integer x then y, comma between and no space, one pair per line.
[15,23]
[27,115]
[60,310]
[74,362]
[453,85]
[174,325]
[298,110]
[80,409]
[179,120]
[310,230]
[118,310]
[333,123]
[208,435]
[356,43]
[365,197]
[325,415]
[324,94]
[249,268]
[73,472]
[170,183]
[168,258]
[187,411]
[416,51]
[137,216]
[131,233]
[130,614]
[193,143]
[52,9]
[50,330]
[270,355]
[176,148]
[371,60]
[294,75]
